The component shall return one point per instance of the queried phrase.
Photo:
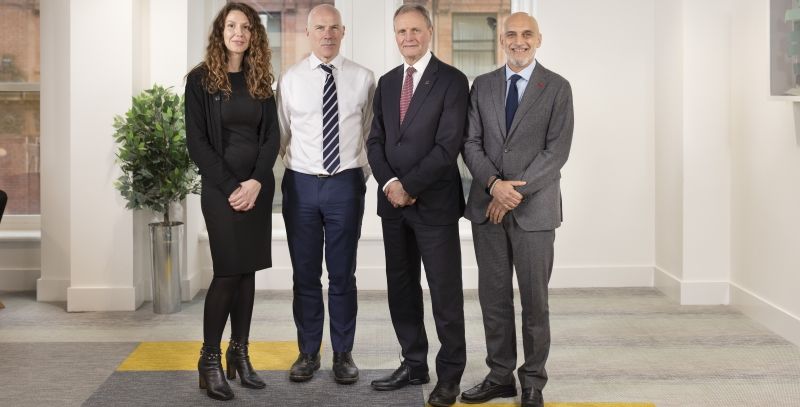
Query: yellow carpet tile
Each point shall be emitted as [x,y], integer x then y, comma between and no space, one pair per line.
[160,356]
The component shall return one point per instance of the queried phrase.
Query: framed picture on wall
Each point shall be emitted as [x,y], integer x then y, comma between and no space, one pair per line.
[784,47]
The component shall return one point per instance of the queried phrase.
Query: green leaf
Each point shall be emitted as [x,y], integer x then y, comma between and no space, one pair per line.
[151,151]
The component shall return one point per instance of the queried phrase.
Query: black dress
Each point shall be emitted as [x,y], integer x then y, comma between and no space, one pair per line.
[240,241]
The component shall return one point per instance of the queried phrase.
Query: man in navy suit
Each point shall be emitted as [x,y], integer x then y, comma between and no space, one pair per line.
[420,111]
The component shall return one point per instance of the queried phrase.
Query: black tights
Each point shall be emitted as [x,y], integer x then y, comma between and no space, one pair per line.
[229,295]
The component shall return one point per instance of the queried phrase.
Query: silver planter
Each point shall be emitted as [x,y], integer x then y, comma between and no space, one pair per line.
[166,248]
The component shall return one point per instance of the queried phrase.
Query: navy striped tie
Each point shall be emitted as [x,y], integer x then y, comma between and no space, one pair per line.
[330,123]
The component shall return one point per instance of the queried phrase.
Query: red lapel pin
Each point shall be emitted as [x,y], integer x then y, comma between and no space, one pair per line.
[540,85]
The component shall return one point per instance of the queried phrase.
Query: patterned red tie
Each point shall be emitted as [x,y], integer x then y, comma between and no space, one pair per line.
[407,92]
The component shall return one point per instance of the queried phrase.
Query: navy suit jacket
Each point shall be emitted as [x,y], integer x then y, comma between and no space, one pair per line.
[421,152]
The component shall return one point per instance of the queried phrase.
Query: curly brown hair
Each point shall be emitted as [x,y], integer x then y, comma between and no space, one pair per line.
[256,63]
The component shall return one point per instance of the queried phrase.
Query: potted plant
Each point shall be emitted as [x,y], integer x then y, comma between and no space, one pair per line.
[156,173]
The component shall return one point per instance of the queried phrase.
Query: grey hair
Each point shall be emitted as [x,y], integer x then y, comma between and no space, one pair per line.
[410,8]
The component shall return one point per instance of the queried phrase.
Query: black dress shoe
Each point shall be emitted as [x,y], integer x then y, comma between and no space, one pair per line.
[532,398]
[238,360]
[304,367]
[444,394]
[344,369]
[486,391]
[401,377]
[212,378]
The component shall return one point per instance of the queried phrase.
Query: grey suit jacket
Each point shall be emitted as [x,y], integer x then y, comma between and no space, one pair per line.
[534,150]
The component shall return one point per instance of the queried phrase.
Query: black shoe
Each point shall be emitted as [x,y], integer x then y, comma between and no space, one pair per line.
[400,378]
[238,360]
[212,378]
[486,391]
[304,367]
[344,369]
[444,394]
[532,398]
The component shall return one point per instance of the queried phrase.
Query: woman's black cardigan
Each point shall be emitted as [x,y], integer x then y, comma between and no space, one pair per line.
[204,136]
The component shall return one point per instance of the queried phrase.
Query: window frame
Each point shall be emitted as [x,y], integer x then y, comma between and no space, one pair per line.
[31,221]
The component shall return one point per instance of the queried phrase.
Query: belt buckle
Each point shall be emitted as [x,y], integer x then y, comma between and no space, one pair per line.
[323,175]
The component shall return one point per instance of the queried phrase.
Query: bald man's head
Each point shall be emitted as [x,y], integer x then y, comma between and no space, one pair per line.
[325,31]
[323,9]
[520,39]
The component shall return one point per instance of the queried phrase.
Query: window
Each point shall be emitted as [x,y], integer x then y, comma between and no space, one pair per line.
[285,21]
[465,32]
[272,22]
[19,105]
[475,43]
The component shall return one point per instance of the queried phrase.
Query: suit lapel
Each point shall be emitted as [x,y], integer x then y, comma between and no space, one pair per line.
[498,89]
[533,90]
[394,87]
[418,99]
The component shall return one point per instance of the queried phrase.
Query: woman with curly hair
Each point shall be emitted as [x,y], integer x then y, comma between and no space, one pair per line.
[232,135]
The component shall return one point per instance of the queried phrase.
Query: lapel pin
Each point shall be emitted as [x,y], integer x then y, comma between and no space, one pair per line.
[540,85]
[427,82]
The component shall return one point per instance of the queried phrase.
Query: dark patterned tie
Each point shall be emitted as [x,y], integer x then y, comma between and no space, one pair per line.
[512,101]
[330,122]
[407,92]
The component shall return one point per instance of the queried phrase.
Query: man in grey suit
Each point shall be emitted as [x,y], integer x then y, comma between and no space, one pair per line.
[519,135]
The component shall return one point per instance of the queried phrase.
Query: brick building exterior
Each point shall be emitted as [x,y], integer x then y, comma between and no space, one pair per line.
[19,104]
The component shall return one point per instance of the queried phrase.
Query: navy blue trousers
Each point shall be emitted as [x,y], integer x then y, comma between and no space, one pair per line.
[323,215]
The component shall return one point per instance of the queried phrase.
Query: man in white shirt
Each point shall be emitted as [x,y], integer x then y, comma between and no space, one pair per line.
[325,110]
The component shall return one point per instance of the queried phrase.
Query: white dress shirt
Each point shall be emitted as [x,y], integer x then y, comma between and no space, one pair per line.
[419,66]
[300,114]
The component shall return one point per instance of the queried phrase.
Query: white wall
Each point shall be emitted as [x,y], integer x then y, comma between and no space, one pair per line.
[669,41]
[693,150]
[101,79]
[606,52]
[55,168]
[706,151]
[765,210]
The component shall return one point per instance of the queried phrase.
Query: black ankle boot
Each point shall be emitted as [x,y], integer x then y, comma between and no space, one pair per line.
[212,378]
[238,360]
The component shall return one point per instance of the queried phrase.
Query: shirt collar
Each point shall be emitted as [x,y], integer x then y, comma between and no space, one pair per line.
[313,61]
[525,73]
[421,64]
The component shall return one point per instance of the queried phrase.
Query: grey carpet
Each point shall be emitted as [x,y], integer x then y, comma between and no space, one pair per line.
[56,374]
[177,389]
[617,344]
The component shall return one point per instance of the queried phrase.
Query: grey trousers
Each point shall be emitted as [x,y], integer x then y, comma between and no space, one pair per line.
[501,249]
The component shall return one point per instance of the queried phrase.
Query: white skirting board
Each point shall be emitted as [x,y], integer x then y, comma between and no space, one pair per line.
[51,289]
[688,292]
[18,279]
[374,277]
[101,299]
[766,313]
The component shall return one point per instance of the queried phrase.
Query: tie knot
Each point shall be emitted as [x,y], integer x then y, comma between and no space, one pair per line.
[410,71]
[328,68]
[514,78]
